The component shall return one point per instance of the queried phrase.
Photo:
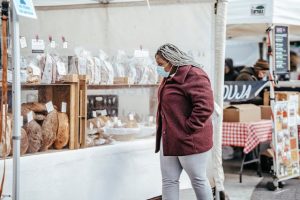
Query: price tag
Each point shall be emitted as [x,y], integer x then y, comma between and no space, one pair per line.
[61,69]
[64,107]
[65,45]
[103,112]
[91,126]
[37,46]
[53,44]
[29,116]
[119,123]
[94,114]
[49,106]
[131,117]
[98,124]
[23,42]
[35,70]
[151,119]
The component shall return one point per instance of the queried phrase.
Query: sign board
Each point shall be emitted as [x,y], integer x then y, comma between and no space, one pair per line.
[258,10]
[238,91]
[285,141]
[281,49]
[25,8]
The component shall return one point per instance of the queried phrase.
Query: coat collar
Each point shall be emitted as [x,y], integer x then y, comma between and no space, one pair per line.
[181,74]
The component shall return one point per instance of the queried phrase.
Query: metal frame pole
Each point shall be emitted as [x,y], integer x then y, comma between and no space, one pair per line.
[16,86]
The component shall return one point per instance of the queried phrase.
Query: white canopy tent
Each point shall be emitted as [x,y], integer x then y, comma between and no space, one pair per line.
[248,21]
[190,24]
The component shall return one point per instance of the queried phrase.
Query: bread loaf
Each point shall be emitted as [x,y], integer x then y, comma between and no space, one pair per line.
[24,141]
[5,145]
[39,117]
[34,134]
[49,130]
[62,137]
[35,107]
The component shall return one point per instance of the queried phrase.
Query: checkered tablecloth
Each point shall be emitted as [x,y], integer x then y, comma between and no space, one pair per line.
[247,135]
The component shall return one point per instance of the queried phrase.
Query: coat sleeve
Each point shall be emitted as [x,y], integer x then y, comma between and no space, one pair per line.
[201,95]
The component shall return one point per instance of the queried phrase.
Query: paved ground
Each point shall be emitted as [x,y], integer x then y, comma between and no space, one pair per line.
[252,188]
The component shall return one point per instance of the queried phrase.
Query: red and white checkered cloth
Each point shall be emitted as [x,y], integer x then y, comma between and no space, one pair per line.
[247,134]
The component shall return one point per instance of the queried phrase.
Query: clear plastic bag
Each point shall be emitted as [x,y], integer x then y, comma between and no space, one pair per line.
[107,71]
[120,64]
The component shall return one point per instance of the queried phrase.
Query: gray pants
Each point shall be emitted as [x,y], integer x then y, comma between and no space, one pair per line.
[195,167]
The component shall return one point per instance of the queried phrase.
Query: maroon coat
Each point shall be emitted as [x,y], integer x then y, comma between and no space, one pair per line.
[185,105]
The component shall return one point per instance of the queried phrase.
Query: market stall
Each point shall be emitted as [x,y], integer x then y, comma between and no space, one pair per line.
[121,168]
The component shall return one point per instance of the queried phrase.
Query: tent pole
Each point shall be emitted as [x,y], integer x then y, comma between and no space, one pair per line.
[220,39]
[16,101]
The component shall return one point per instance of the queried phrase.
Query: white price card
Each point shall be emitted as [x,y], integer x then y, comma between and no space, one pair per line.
[103,112]
[115,119]
[53,44]
[49,106]
[23,42]
[61,68]
[131,117]
[29,116]
[37,46]
[63,107]
[98,124]
[91,126]
[65,45]
[94,114]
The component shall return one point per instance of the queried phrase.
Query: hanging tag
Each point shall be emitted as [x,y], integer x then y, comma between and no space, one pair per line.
[23,42]
[29,116]
[53,44]
[65,45]
[37,46]
[49,106]
[94,114]
[91,126]
[131,117]
[64,107]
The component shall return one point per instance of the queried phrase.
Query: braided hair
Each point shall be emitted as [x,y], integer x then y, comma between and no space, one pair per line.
[175,56]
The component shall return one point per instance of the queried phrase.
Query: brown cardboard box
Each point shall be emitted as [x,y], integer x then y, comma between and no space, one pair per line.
[266,112]
[281,96]
[241,113]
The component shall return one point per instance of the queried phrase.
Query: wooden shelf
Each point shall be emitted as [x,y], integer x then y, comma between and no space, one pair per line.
[121,86]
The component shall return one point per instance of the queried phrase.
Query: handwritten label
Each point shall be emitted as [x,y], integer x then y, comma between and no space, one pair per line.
[37,46]
[29,116]
[64,107]
[53,44]
[49,106]
[23,42]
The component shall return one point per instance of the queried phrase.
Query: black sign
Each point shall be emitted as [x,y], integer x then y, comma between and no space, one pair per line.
[281,49]
[239,91]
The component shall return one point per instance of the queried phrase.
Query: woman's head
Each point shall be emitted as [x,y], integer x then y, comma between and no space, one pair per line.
[169,53]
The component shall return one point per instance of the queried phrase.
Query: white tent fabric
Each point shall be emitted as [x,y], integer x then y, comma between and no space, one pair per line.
[246,25]
[188,24]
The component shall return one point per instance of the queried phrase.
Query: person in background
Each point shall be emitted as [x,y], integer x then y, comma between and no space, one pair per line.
[257,73]
[230,73]
[294,62]
[184,134]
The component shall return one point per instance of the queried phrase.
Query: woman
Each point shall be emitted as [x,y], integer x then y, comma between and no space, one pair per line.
[184,127]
